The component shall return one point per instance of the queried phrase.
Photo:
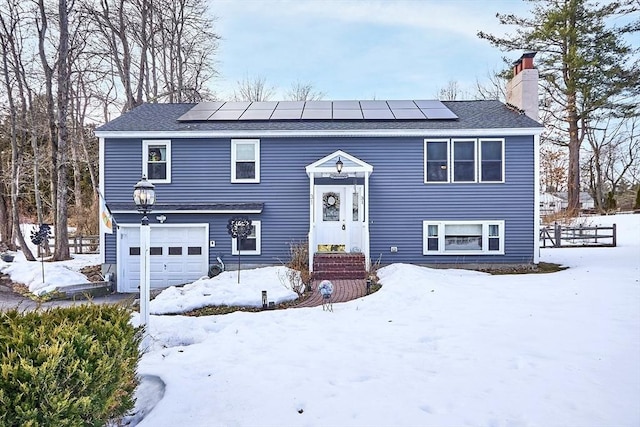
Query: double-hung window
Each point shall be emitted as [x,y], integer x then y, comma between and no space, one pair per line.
[156,160]
[249,245]
[492,160]
[245,160]
[436,160]
[463,160]
[463,237]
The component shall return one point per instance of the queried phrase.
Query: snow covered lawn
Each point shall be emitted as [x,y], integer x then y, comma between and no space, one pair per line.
[431,348]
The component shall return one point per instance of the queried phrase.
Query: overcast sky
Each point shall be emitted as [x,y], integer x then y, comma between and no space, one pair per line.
[359,49]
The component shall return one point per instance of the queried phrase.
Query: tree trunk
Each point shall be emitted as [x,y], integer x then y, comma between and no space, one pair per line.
[61,251]
[48,83]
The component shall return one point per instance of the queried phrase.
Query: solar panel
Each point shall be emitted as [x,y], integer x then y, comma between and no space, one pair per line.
[318,105]
[374,105]
[439,113]
[290,105]
[235,105]
[195,115]
[401,104]
[408,114]
[226,115]
[285,114]
[319,110]
[377,114]
[315,114]
[430,103]
[211,106]
[256,114]
[347,114]
[263,105]
[346,105]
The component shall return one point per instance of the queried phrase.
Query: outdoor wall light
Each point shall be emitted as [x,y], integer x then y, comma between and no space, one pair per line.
[144,195]
[339,165]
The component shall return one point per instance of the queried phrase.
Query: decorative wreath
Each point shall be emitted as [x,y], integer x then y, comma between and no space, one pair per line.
[331,200]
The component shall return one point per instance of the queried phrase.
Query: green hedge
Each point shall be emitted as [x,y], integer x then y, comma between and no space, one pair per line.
[72,366]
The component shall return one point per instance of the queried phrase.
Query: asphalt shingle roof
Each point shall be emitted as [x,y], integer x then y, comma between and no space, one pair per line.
[471,115]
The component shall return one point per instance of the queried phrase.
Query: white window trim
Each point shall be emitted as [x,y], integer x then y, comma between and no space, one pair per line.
[257,227]
[424,160]
[145,157]
[480,141]
[256,144]
[452,160]
[441,237]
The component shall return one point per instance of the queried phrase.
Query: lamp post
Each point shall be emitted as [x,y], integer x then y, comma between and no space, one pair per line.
[144,196]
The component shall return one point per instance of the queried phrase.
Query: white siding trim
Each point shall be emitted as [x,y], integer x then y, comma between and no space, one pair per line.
[424,133]
[203,211]
[103,255]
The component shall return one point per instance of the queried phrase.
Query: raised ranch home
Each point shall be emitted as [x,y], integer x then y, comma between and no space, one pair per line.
[412,181]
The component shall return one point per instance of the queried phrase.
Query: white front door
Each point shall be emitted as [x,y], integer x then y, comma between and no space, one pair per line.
[338,218]
[179,254]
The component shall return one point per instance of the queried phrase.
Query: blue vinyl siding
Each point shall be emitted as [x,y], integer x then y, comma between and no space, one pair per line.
[399,199]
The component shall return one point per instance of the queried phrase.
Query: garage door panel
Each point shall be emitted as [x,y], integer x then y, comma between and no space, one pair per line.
[178,255]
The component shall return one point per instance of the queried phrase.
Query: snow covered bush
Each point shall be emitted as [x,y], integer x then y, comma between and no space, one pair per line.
[67,366]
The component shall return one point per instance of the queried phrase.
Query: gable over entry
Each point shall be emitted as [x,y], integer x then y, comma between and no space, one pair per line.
[339,205]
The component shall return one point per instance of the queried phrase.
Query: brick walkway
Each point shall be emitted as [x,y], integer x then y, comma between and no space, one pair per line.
[343,290]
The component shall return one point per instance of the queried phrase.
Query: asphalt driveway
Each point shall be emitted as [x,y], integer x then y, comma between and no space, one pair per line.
[10,299]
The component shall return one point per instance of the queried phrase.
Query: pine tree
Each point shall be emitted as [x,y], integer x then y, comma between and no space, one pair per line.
[585,65]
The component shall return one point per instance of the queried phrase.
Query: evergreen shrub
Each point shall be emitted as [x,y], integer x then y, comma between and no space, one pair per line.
[73,366]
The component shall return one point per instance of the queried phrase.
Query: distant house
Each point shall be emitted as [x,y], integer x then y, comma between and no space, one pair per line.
[412,181]
[585,202]
[550,204]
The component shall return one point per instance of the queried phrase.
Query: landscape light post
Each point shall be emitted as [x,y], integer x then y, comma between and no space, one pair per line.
[144,196]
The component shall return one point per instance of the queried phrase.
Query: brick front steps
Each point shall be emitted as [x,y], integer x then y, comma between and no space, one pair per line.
[332,266]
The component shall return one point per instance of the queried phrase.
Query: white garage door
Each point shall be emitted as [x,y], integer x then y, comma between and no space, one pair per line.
[178,255]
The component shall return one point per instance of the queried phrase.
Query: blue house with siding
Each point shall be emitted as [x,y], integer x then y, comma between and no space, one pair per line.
[414,181]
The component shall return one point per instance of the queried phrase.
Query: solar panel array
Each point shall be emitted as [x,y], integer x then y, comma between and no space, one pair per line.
[319,110]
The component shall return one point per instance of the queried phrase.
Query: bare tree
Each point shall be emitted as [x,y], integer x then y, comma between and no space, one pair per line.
[10,39]
[553,168]
[303,92]
[253,89]
[162,50]
[614,156]
[451,92]
[61,251]
[495,87]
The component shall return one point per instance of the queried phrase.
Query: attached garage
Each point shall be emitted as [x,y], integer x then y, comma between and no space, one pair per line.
[179,254]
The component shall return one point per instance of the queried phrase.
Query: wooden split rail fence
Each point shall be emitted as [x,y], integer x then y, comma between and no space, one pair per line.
[559,236]
[78,244]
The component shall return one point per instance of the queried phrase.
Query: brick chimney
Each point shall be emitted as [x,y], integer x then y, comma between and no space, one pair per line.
[522,89]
